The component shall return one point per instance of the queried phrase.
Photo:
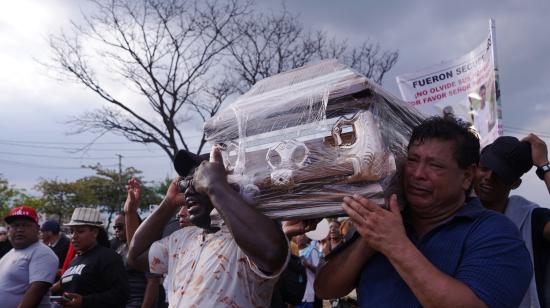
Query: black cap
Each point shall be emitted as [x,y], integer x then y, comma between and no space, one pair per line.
[185,161]
[50,225]
[508,157]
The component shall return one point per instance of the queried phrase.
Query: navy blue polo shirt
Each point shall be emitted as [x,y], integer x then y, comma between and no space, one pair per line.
[479,247]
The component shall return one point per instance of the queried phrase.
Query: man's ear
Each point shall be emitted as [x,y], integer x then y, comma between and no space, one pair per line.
[515,184]
[469,176]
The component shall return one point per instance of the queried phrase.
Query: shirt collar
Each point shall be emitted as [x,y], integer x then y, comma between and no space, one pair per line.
[471,209]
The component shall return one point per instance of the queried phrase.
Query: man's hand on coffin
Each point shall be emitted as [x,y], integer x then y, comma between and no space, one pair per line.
[259,237]
[210,173]
[382,229]
[296,227]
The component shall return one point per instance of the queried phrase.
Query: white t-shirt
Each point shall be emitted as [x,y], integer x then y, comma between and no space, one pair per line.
[311,255]
[210,270]
[21,267]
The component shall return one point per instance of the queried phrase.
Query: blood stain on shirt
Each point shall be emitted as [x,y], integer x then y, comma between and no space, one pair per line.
[199,280]
[156,261]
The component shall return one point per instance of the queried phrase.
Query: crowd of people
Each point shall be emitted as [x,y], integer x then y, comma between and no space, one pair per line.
[455,237]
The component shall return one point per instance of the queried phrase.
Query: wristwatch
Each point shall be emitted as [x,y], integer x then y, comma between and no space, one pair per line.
[542,170]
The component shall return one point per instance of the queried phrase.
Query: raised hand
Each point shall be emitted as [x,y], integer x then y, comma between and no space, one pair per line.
[133,197]
[539,151]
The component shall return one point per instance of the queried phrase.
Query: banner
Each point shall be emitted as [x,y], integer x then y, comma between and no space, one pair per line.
[467,87]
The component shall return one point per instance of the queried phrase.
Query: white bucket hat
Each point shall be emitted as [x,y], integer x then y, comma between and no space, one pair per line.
[83,216]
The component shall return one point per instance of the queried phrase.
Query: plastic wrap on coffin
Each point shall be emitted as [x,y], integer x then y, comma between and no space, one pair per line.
[300,141]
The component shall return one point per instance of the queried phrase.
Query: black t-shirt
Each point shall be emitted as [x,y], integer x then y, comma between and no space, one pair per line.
[99,276]
[115,243]
[137,283]
[5,246]
[61,248]
[541,254]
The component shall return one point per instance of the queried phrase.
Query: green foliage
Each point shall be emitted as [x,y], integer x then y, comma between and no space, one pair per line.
[105,190]
[37,203]
[9,196]
[61,197]
[109,186]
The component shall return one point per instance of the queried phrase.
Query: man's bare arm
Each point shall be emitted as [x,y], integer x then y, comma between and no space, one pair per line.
[151,229]
[151,292]
[539,154]
[546,231]
[34,294]
[131,205]
[261,238]
[338,275]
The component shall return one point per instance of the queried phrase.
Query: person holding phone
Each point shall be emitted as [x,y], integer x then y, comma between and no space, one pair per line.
[96,277]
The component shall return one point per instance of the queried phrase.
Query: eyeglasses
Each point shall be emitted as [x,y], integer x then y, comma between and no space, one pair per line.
[185,183]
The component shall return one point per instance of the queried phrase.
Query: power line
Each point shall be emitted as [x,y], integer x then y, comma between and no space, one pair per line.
[85,146]
[76,149]
[78,143]
[77,158]
[56,142]
[32,165]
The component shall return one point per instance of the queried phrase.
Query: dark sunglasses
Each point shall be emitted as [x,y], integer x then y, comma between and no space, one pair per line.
[185,183]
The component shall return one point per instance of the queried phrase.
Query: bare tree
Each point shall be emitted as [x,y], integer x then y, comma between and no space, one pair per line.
[166,51]
[268,45]
[184,58]
[274,43]
[366,58]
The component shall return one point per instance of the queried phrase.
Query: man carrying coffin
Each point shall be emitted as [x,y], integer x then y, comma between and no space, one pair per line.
[236,264]
[445,249]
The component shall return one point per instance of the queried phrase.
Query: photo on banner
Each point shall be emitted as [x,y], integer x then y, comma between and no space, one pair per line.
[467,87]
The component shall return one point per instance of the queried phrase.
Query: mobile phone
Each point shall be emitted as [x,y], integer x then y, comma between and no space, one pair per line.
[59,298]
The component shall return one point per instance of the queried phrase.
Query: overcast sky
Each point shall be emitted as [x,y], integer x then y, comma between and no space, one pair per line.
[33,137]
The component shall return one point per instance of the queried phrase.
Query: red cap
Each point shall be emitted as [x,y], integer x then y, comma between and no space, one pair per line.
[22,211]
